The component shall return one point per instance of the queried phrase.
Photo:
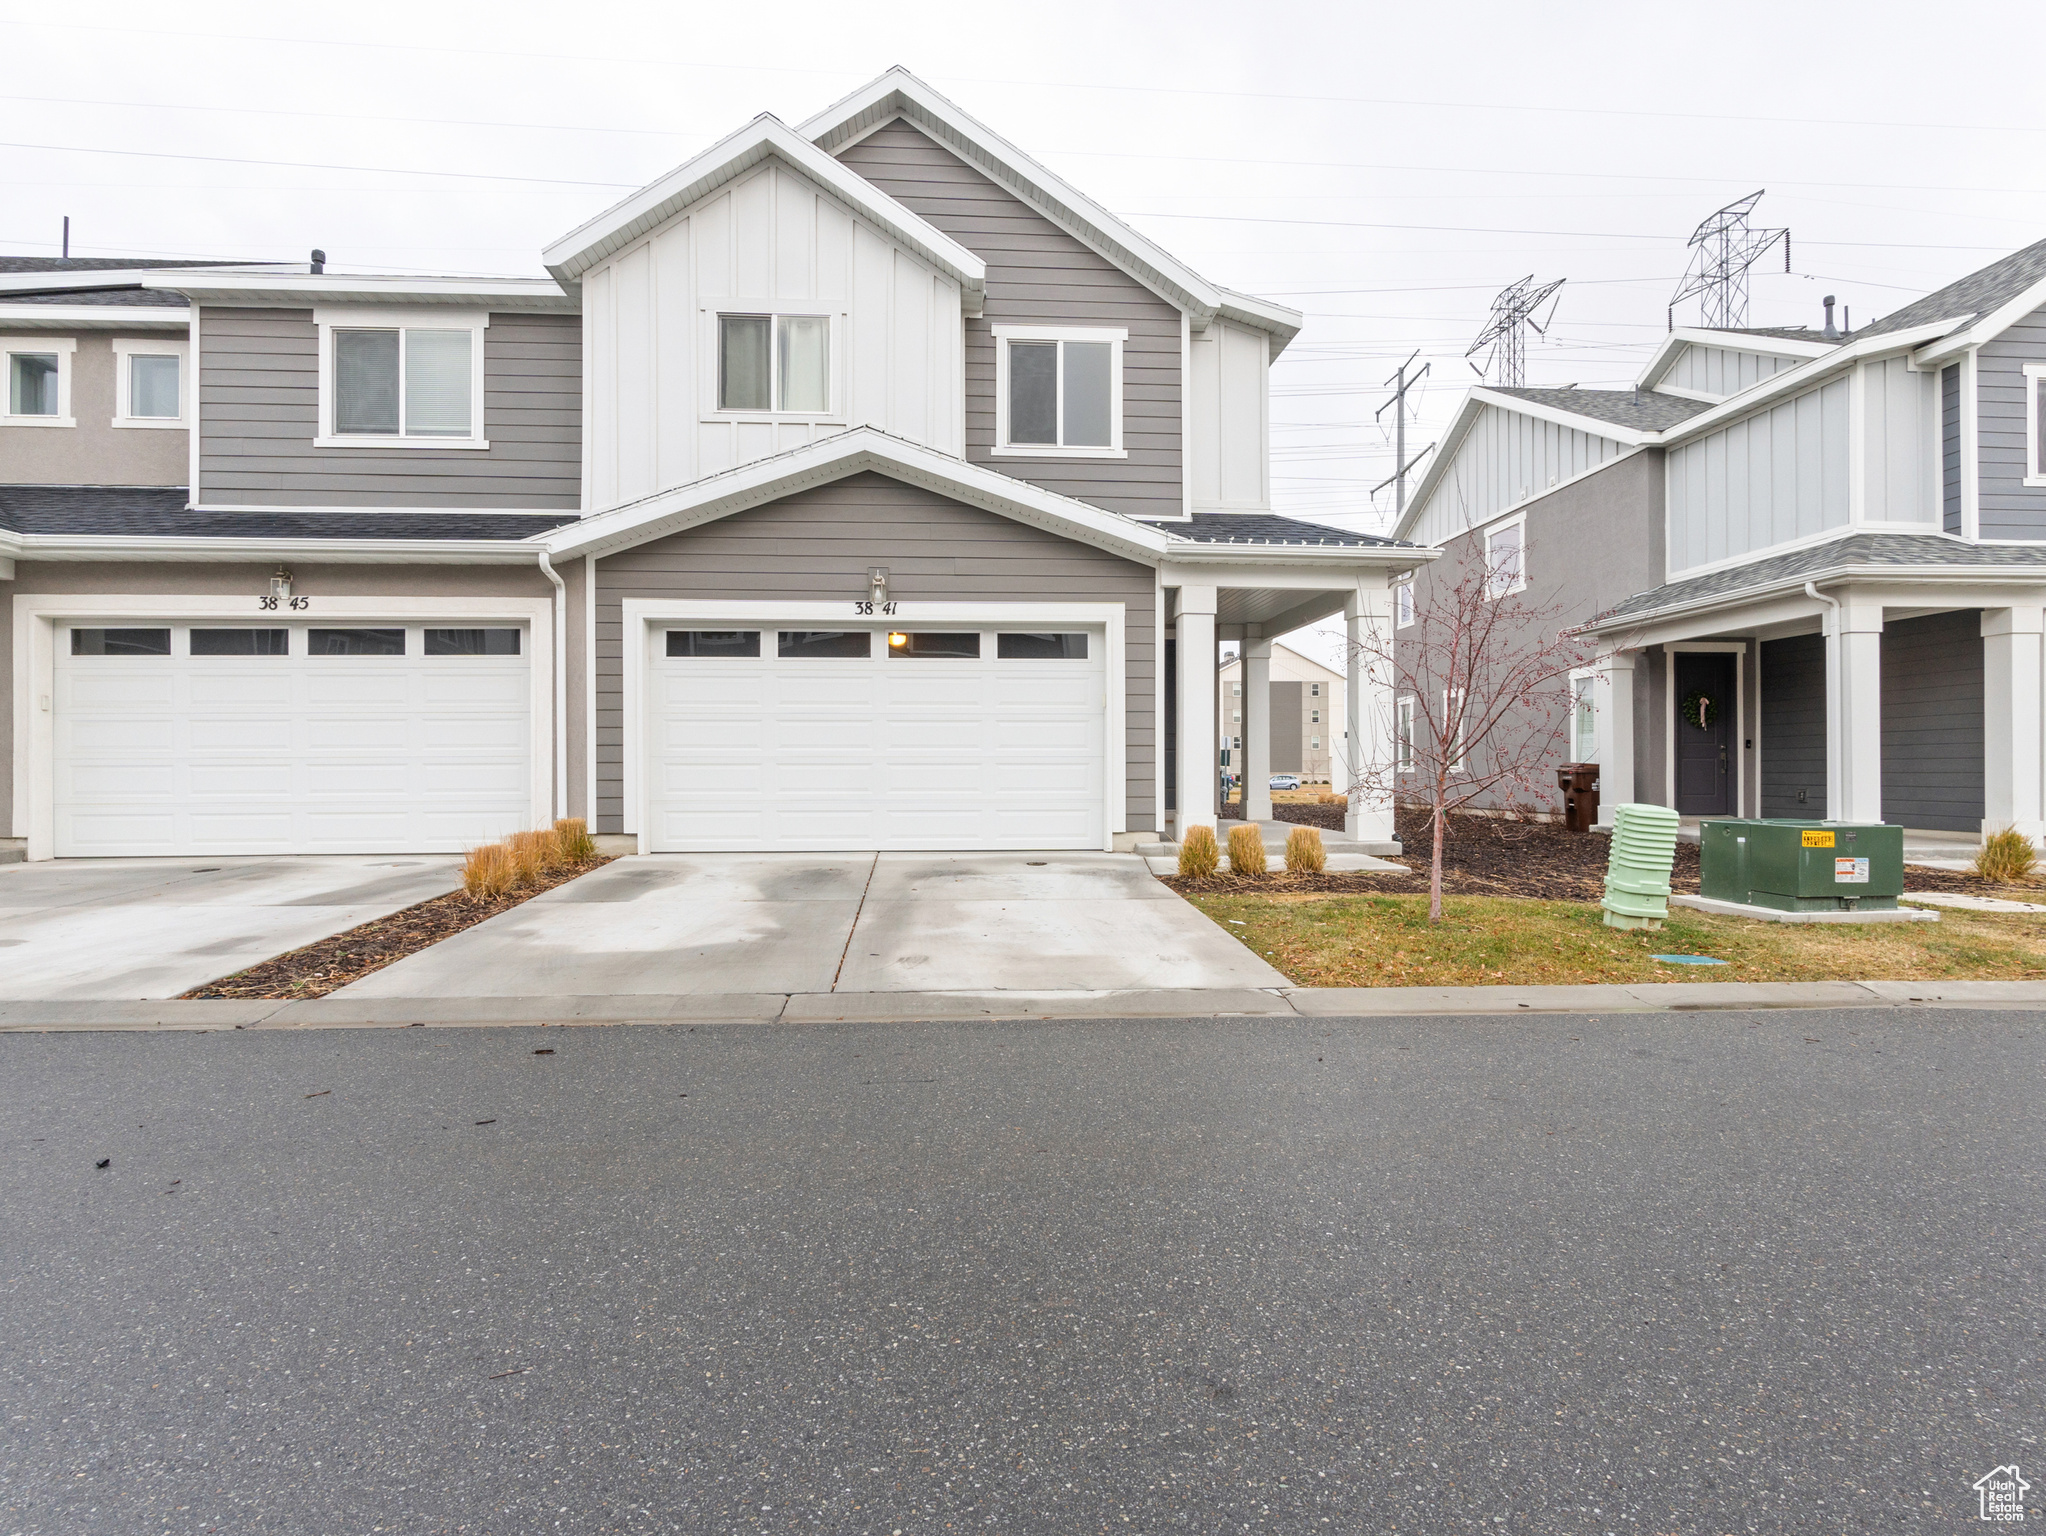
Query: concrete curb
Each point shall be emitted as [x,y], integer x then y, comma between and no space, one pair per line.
[31,1017]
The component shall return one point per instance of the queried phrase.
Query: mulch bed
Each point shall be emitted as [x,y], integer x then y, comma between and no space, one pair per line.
[1491,856]
[332,963]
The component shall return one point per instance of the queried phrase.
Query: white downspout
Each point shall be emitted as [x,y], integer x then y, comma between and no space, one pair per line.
[560,685]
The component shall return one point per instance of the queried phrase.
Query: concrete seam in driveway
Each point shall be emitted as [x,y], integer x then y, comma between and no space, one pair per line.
[339,1012]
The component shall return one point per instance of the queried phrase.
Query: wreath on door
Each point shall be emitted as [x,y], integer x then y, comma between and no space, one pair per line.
[1700,709]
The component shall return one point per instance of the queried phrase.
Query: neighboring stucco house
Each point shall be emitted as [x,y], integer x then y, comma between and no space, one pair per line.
[1306,730]
[858,485]
[1841,538]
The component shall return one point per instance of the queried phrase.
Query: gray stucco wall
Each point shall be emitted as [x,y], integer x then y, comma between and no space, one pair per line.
[1950,448]
[1792,743]
[819,543]
[1932,722]
[259,413]
[1039,274]
[95,452]
[136,579]
[2010,508]
[1588,545]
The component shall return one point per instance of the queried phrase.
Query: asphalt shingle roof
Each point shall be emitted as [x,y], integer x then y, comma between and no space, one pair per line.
[104,264]
[1641,410]
[1921,551]
[1265,528]
[1976,294]
[160,512]
[138,298]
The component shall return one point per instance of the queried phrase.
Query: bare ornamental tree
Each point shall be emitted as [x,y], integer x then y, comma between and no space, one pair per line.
[1479,681]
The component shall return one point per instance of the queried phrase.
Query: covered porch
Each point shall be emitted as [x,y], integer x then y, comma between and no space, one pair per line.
[1906,696]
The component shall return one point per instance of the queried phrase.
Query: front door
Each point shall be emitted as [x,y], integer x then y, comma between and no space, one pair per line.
[1705,717]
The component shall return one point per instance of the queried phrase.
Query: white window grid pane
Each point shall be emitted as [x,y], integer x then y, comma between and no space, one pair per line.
[437,383]
[153,385]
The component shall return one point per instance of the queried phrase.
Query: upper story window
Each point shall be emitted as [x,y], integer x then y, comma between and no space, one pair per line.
[38,380]
[1583,717]
[1506,558]
[149,383]
[2035,423]
[1058,392]
[1403,602]
[778,363]
[398,379]
[1314,690]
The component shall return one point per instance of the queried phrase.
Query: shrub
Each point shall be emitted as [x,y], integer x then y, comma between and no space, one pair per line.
[2007,857]
[532,854]
[572,836]
[1304,853]
[1247,851]
[487,871]
[1342,800]
[1199,857]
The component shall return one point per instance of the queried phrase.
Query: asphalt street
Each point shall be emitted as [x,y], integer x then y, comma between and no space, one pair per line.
[1699,1273]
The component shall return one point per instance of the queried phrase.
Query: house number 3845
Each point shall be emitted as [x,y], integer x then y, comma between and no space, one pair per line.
[267,604]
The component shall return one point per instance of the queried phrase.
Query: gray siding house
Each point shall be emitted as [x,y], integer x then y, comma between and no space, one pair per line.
[855,485]
[1841,538]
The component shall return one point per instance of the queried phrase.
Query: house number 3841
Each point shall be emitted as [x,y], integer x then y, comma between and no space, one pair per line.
[870,608]
[269,603]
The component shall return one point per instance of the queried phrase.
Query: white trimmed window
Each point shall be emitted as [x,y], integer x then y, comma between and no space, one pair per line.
[38,381]
[1058,392]
[774,364]
[2035,423]
[1583,718]
[1403,602]
[1405,735]
[149,382]
[1506,557]
[401,378]
[1314,690]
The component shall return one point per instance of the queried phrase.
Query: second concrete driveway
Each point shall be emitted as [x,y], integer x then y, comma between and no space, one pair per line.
[807,923]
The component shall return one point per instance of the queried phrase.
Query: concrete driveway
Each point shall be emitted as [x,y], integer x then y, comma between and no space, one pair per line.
[858,922]
[152,928]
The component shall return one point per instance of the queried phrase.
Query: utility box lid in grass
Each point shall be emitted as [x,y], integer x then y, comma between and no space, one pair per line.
[1802,866]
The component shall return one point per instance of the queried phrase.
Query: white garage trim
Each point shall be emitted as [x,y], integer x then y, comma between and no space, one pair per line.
[37,619]
[639,614]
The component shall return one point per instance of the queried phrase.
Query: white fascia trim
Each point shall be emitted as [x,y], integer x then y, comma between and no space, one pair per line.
[337,506]
[1678,392]
[123,277]
[498,293]
[1795,381]
[1369,556]
[1671,345]
[36,617]
[833,458]
[1973,330]
[94,317]
[898,93]
[55,546]
[763,138]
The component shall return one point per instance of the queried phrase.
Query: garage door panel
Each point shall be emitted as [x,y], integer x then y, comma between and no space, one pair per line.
[852,689]
[481,733]
[251,692]
[711,690]
[127,779]
[358,733]
[115,734]
[261,781]
[906,734]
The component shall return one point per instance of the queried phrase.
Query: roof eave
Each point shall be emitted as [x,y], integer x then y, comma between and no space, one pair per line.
[251,288]
[1971,575]
[1400,557]
[193,548]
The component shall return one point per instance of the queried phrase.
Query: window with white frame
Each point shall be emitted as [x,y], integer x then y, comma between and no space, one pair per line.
[774,363]
[1314,717]
[1314,690]
[2035,423]
[1583,718]
[401,379]
[149,382]
[1058,391]
[38,380]
[1403,602]
[1505,558]
[1314,743]
[1405,735]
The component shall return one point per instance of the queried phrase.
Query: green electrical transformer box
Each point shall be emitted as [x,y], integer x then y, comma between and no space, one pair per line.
[1802,866]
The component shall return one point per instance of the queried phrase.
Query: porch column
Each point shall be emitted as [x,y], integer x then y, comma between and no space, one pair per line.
[1368,711]
[1854,711]
[1257,729]
[2013,787]
[1612,702]
[1194,653]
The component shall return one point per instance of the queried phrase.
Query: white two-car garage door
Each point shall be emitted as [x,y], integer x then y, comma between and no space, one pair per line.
[779,737]
[220,739]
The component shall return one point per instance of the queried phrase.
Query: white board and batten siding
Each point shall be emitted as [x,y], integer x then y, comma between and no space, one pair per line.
[1900,460]
[1721,371]
[1505,459]
[1771,478]
[1229,426]
[772,242]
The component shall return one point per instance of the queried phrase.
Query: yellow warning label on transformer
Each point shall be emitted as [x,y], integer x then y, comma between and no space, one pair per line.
[1818,839]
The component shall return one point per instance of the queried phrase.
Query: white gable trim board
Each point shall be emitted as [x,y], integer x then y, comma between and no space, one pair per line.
[737,722]
[500,736]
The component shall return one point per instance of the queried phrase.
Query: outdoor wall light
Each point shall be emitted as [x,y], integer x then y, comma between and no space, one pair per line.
[897,642]
[280,584]
[877,583]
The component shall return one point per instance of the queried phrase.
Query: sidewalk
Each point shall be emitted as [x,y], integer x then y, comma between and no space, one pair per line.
[924,1007]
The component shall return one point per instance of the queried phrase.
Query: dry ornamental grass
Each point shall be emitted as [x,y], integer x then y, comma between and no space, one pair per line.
[1247,852]
[1199,855]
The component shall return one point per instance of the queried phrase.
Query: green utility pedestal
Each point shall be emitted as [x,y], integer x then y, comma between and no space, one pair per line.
[1802,866]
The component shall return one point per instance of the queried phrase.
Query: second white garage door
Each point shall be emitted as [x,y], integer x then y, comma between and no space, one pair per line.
[776,737]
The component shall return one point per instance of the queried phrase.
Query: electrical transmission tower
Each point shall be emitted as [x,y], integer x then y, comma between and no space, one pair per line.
[1513,314]
[1723,248]
[1401,463]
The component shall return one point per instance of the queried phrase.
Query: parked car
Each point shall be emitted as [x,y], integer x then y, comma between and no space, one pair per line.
[1285,781]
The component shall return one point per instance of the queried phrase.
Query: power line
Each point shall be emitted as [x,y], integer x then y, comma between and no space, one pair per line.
[308,165]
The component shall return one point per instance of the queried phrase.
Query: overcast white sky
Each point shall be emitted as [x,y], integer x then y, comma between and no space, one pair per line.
[1386,168]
